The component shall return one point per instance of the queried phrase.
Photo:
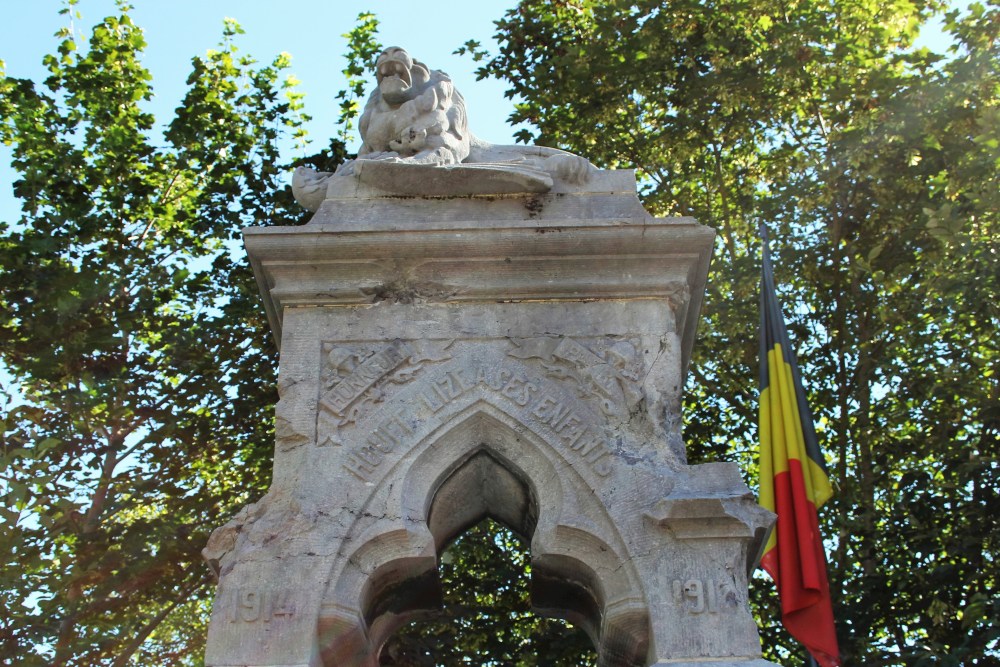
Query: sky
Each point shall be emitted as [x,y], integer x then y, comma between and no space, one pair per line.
[310,30]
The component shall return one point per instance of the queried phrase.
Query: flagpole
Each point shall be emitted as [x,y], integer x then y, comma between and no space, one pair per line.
[762,230]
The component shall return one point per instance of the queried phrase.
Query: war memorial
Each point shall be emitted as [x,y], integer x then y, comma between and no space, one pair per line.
[468,331]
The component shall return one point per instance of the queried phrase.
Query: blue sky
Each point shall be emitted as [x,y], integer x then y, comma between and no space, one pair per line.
[307,29]
[310,30]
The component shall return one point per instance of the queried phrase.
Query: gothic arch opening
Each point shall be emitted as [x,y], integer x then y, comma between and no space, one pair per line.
[487,617]
[482,487]
[487,487]
[465,475]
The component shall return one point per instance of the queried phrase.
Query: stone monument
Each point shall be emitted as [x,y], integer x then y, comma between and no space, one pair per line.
[471,331]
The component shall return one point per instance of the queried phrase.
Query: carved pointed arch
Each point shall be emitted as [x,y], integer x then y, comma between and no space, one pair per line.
[482,462]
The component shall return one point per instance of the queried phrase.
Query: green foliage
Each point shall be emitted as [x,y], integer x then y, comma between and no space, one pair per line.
[876,166]
[145,374]
[487,618]
[144,369]
[362,50]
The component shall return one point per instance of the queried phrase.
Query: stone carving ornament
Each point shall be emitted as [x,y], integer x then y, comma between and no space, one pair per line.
[354,377]
[416,140]
[612,377]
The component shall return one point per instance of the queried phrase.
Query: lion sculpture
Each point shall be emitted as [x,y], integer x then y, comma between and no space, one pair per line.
[416,140]
[414,113]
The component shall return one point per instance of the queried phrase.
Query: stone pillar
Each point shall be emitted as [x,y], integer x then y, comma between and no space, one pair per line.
[521,357]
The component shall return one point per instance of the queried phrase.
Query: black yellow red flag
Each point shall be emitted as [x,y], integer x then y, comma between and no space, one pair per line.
[793,484]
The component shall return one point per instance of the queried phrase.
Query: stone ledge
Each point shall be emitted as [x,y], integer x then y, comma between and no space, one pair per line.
[608,194]
[489,262]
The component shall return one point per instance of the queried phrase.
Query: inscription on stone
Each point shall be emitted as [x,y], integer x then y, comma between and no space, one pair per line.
[585,440]
[699,596]
[354,376]
[363,460]
[363,376]
[249,605]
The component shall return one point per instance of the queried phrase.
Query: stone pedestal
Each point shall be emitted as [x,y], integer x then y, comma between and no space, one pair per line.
[444,360]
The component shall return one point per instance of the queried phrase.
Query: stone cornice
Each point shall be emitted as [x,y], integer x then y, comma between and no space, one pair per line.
[526,260]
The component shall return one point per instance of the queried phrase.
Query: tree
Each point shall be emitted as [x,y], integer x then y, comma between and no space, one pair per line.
[875,165]
[142,360]
[144,369]
[143,364]
[486,618]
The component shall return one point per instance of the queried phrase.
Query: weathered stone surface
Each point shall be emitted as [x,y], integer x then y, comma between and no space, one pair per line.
[436,370]
[471,331]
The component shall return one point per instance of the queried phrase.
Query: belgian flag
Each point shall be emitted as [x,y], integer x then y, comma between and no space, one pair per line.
[793,484]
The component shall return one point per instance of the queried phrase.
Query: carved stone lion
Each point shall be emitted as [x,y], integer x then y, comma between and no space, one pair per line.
[413,113]
[413,125]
